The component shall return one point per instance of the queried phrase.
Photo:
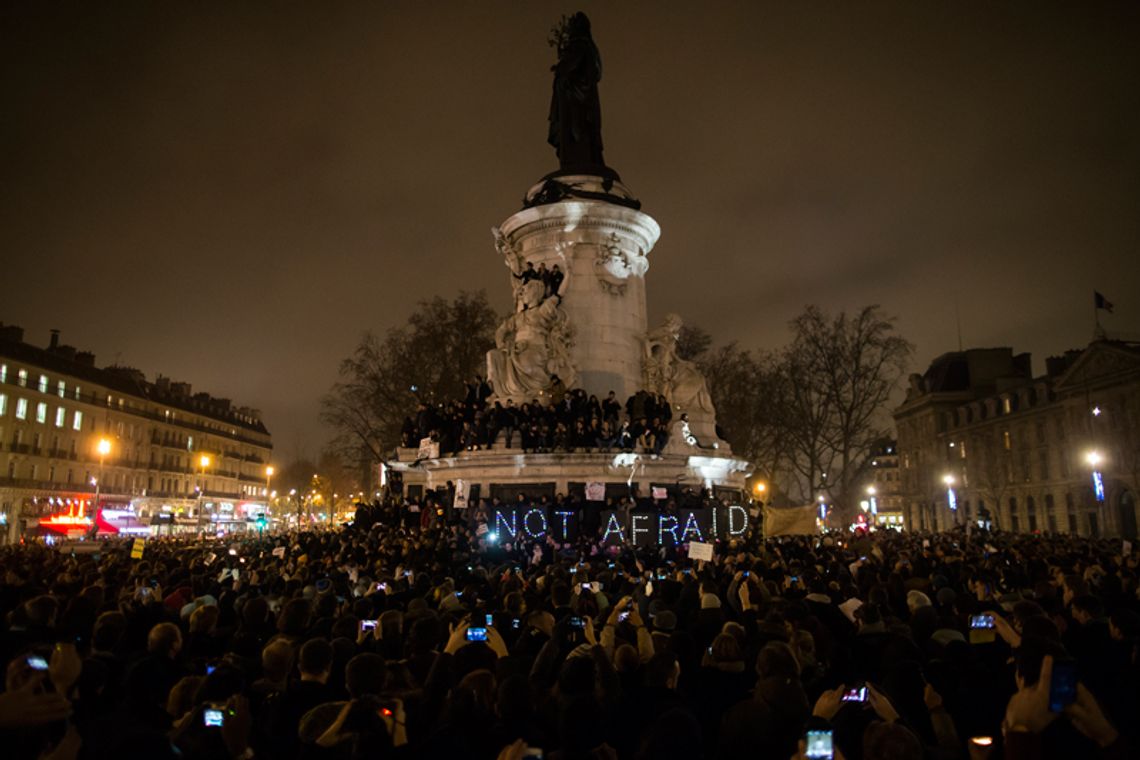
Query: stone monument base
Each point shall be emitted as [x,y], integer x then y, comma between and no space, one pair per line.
[506,472]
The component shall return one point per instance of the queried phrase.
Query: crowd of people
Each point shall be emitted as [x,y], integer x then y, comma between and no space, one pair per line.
[386,639]
[566,420]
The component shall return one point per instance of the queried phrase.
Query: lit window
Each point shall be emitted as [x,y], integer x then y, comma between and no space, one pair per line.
[1006,441]
[78,391]
[3,404]
[21,409]
[77,420]
[962,449]
[22,378]
[43,384]
[1006,406]
[3,373]
[61,387]
[41,412]
[60,417]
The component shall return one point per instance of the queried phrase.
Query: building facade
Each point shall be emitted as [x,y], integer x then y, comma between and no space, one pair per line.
[981,438]
[884,494]
[156,453]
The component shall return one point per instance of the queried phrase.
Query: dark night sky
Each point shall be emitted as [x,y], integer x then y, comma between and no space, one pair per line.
[232,195]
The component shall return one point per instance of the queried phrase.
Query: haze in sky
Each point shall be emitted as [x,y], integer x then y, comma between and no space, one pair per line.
[231,195]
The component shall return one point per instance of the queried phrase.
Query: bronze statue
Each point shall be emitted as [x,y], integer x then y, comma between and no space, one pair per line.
[575,111]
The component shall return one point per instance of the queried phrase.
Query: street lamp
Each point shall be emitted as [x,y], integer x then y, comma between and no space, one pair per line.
[102,448]
[1095,460]
[951,497]
[871,491]
[203,463]
[268,476]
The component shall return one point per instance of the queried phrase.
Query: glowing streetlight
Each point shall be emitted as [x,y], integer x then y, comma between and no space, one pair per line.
[268,476]
[1095,460]
[951,497]
[102,448]
[203,463]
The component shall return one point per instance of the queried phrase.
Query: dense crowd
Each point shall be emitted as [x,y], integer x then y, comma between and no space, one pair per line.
[563,420]
[387,639]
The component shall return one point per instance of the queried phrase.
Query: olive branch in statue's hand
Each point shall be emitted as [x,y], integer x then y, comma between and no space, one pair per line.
[559,33]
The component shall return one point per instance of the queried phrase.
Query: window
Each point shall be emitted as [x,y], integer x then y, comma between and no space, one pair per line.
[3,404]
[22,378]
[77,420]
[43,384]
[41,412]
[60,417]
[1006,441]
[61,389]
[78,392]
[3,373]
[1006,406]
[21,409]
[962,449]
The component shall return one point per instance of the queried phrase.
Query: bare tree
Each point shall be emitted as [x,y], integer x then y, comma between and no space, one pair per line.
[748,392]
[841,373]
[693,342]
[428,359]
[989,472]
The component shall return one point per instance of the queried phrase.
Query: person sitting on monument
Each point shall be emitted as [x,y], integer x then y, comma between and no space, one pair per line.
[660,434]
[527,274]
[611,409]
[606,437]
[553,281]
[580,439]
[646,441]
[560,440]
[625,437]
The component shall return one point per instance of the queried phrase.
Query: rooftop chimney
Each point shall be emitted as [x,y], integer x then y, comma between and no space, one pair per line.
[54,340]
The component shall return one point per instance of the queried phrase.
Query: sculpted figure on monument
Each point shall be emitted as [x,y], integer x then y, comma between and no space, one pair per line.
[677,379]
[531,345]
[575,110]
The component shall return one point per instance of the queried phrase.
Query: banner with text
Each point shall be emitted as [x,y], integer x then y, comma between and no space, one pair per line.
[636,528]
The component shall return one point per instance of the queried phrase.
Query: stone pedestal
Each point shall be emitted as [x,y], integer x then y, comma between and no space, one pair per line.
[594,336]
[602,248]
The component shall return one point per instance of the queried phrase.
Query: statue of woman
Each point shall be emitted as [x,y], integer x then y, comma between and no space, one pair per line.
[575,110]
[531,345]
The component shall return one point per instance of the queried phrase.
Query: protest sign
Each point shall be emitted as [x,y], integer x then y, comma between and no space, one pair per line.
[698,550]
